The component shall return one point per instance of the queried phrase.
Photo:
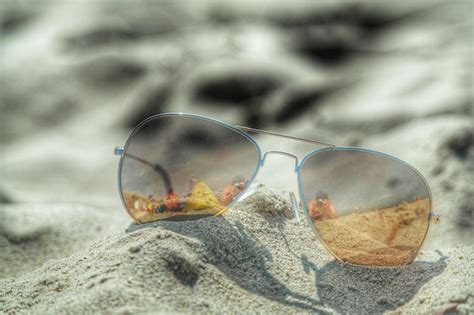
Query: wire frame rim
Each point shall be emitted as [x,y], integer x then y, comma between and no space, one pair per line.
[374,152]
[195,116]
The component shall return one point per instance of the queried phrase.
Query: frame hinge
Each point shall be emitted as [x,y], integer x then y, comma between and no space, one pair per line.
[118,150]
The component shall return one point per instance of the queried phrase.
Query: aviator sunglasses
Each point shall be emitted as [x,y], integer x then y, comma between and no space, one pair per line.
[366,207]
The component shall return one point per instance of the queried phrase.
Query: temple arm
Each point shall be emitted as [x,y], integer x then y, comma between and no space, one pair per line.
[155,166]
[255,130]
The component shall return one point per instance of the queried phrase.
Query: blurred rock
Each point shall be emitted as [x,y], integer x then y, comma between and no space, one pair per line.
[16,14]
[121,22]
[4,198]
[105,72]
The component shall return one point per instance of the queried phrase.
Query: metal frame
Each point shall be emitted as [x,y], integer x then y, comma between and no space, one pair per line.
[244,131]
[255,130]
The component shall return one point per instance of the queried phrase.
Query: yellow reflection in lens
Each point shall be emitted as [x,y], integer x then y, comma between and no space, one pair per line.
[377,237]
[200,202]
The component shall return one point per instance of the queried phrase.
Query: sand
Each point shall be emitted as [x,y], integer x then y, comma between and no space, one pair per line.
[32,234]
[256,258]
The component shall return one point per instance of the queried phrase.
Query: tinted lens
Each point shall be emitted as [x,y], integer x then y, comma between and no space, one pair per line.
[368,208]
[184,167]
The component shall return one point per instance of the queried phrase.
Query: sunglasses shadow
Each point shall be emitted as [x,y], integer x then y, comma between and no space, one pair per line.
[239,255]
[365,290]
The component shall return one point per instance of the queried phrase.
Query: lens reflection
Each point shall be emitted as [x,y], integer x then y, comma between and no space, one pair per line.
[184,167]
[369,209]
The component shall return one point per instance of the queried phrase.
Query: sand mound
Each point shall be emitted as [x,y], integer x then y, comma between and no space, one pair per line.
[31,234]
[251,259]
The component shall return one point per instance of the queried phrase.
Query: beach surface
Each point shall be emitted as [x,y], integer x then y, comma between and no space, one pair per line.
[255,257]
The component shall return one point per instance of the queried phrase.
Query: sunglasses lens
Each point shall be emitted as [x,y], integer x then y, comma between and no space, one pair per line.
[368,208]
[184,167]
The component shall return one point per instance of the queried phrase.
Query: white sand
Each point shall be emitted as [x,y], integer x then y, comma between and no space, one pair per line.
[250,260]
[31,234]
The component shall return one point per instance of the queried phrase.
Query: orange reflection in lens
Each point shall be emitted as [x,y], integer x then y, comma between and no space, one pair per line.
[376,237]
[201,201]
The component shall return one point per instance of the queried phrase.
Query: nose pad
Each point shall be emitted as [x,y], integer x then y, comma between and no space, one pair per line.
[250,190]
[294,206]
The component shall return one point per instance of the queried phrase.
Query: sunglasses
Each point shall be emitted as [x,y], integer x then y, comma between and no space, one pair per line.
[367,207]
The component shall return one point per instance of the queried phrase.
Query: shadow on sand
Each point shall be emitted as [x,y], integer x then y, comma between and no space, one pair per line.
[346,288]
[351,289]
[240,256]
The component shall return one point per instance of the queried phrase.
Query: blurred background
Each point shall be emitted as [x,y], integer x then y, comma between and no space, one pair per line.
[77,76]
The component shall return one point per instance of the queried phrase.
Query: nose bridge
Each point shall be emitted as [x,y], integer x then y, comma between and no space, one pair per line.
[281,153]
[292,198]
